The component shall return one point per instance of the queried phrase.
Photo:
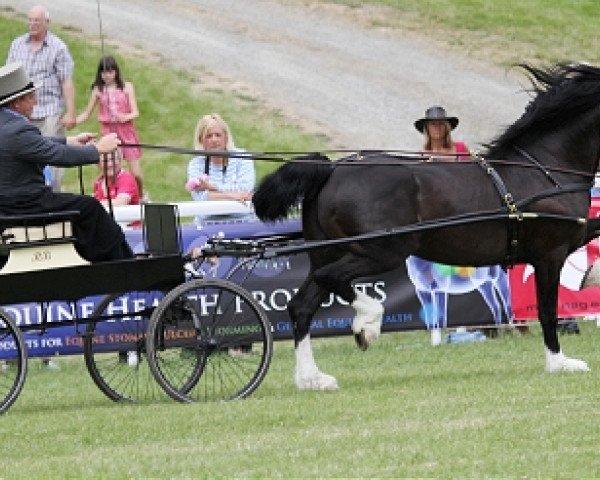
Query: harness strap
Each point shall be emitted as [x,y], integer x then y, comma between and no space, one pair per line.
[505,195]
[515,208]
[543,169]
[515,214]
[572,188]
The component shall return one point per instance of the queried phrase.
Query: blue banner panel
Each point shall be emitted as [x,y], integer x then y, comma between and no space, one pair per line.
[418,295]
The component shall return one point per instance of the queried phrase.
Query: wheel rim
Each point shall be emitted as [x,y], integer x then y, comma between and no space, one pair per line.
[13,363]
[198,332]
[118,375]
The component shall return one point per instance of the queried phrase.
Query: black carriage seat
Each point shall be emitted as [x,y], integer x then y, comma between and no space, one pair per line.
[162,231]
[55,279]
[38,242]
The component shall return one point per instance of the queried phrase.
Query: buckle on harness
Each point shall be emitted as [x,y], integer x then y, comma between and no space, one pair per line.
[510,203]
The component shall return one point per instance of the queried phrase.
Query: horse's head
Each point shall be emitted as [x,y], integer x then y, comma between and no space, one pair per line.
[561,124]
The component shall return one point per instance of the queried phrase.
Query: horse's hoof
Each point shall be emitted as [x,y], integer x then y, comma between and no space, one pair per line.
[557,362]
[319,382]
[361,340]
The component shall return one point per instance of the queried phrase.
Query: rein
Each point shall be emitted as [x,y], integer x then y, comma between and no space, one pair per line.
[512,211]
[454,221]
[533,160]
[399,157]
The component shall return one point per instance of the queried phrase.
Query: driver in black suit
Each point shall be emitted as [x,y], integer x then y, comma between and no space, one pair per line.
[24,153]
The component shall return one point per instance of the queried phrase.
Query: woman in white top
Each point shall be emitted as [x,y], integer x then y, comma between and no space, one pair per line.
[215,177]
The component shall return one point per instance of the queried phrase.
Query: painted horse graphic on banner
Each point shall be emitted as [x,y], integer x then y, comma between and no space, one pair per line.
[434,282]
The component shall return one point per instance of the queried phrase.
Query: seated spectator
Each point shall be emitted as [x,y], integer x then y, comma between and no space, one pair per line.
[115,183]
[218,177]
[437,126]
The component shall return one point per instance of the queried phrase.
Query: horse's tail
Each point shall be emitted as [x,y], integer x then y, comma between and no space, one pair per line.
[295,180]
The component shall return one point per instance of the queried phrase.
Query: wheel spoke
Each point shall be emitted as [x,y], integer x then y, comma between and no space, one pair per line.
[209,340]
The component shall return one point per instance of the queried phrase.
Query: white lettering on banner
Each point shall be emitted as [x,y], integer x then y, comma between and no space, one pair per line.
[55,312]
[63,312]
[238,304]
[52,342]
[364,287]
[277,264]
[275,300]
[205,304]
[119,305]
[379,287]
[86,309]
[28,318]
[7,345]
[24,314]
[279,298]
[139,304]
[260,297]
[286,296]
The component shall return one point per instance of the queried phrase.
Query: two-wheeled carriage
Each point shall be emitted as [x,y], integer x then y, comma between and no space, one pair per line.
[154,317]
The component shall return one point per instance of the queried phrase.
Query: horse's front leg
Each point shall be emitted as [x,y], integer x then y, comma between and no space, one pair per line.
[547,278]
[366,325]
[337,277]
[301,308]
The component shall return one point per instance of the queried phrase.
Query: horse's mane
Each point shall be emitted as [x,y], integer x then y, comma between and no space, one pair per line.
[561,93]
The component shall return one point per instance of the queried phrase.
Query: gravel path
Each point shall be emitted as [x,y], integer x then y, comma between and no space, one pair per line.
[362,87]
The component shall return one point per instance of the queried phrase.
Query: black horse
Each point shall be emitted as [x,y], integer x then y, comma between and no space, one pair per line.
[524,201]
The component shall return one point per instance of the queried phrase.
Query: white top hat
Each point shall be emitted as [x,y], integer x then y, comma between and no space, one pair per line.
[14,82]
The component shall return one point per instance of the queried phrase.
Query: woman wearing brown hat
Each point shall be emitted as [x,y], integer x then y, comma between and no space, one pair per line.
[437,126]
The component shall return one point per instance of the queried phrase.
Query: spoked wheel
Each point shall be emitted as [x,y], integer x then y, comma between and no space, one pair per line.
[13,361]
[209,340]
[115,347]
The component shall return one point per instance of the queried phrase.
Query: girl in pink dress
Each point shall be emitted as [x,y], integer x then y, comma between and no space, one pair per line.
[117,108]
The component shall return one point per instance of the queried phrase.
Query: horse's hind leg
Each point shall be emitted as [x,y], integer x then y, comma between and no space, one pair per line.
[301,308]
[336,277]
[547,277]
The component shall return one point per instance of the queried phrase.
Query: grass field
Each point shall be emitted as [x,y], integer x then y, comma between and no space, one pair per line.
[498,32]
[405,409]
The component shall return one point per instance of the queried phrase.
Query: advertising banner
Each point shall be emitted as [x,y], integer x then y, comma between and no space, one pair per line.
[418,295]
[571,301]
